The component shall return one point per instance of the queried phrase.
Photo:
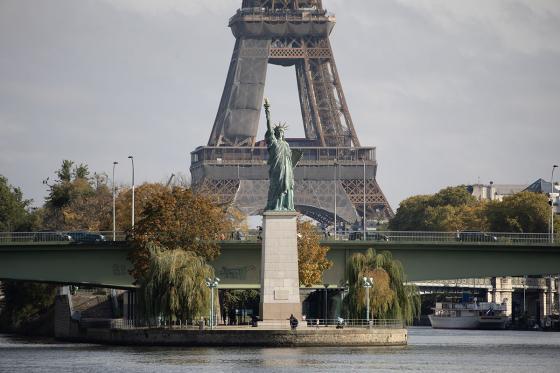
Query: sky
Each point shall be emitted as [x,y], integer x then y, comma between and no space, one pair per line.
[450,91]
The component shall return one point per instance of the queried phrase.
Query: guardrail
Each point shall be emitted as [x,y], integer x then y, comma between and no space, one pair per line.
[355,323]
[8,238]
[465,237]
[282,324]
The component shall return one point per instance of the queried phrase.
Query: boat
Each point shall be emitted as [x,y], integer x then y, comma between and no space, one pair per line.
[469,315]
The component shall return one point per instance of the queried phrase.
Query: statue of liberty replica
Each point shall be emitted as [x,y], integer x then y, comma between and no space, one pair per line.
[281,161]
[280,298]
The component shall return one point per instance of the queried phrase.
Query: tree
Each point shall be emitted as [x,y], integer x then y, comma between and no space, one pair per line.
[232,300]
[525,212]
[14,209]
[173,285]
[312,257]
[451,209]
[142,194]
[23,302]
[177,219]
[69,199]
[389,297]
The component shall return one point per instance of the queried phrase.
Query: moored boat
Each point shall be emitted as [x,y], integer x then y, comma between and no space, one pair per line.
[472,315]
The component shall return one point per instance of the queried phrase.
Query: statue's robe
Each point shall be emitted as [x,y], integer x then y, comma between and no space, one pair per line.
[281,174]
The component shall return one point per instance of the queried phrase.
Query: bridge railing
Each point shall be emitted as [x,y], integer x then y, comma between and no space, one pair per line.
[7,238]
[465,237]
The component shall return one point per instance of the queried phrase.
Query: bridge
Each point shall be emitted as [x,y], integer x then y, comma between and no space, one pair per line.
[424,255]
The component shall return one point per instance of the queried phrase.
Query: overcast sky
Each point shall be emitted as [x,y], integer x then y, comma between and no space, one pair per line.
[449,92]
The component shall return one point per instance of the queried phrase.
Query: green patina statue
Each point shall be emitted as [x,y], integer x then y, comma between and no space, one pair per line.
[281,161]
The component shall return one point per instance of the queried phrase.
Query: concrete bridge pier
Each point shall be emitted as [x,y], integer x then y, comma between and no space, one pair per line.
[502,291]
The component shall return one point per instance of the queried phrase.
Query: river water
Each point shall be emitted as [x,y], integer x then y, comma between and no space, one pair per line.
[428,351]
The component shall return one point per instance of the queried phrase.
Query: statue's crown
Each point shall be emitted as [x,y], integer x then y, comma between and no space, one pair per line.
[280,126]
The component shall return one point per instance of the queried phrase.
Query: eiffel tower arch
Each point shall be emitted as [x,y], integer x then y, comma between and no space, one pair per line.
[336,172]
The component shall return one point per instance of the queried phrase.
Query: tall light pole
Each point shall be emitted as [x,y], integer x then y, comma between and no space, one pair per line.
[524,299]
[326,304]
[364,196]
[552,204]
[114,199]
[212,283]
[335,164]
[132,159]
[367,283]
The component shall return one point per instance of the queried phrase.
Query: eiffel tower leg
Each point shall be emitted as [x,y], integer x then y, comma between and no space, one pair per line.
[237,120]
[309,83]
[342,100]
[308,123]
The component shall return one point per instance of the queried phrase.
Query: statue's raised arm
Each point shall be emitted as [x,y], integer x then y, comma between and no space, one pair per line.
[281,164]
[267,112]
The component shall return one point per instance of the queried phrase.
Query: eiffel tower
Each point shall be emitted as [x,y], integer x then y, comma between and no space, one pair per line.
[336,173]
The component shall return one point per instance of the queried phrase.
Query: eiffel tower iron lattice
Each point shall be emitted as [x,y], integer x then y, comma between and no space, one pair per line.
[336,173]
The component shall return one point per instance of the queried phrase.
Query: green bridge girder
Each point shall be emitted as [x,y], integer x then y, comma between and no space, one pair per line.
[238,266]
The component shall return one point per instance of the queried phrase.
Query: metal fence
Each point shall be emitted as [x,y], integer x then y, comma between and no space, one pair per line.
[464,237]
[59,237]
[355,323]
[280,324]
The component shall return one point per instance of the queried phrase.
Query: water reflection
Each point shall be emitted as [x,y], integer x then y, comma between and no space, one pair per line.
[428,351]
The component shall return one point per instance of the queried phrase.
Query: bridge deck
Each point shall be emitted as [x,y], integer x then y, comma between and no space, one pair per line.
[106,264]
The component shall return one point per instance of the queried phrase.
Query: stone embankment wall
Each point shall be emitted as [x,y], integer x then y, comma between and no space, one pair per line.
[69,329]
[243,337]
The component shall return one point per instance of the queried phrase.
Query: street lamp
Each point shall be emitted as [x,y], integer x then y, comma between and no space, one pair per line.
[552,204]
[345,288]
[132,159]
[114,213]
[367,283]
[335,190]
[364,197]
[326,304]
[212,283]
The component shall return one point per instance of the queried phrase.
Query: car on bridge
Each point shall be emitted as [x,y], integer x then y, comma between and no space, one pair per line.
[475,236]
[50,236]
[370,236]
[88,237]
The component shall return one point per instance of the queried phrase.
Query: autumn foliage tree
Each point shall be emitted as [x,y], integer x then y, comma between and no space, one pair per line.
[312,257]
[143,194]
[177,219]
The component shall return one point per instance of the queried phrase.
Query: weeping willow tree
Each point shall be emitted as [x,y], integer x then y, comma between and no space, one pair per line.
[173,286]
[389,297]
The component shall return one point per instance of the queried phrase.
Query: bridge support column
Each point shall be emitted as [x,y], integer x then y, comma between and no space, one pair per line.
[279,268]
[502,291]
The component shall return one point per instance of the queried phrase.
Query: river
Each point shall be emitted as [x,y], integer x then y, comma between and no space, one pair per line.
[428,351]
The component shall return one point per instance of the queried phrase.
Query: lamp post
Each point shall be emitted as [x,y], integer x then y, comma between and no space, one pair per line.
[132,159]
[212,283]
[552,203]
[524,299]
[367,283]
[364,197]
[345,289]
[335,190]
[114,198]
[326,304]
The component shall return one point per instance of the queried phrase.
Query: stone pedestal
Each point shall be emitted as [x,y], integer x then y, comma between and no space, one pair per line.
[279,268]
